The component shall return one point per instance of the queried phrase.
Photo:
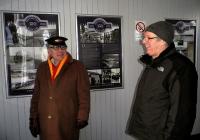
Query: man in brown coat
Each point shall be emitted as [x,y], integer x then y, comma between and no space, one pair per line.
[61,100]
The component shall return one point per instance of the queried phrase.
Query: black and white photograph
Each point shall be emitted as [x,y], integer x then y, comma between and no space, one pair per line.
[100,49]
[185,36]
[25,47]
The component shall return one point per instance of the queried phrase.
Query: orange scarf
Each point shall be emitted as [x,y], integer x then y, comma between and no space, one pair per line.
[55,70]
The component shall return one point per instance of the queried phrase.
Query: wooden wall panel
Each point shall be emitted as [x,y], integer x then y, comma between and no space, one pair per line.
[109,108]
[2,91]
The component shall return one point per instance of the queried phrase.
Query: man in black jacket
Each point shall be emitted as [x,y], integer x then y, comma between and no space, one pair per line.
[165,104]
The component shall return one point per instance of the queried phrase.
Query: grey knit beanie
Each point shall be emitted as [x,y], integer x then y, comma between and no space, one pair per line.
[163,30]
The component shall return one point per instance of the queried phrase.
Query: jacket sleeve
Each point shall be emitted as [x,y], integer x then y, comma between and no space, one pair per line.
[35,98]
[83,89]
[183,99]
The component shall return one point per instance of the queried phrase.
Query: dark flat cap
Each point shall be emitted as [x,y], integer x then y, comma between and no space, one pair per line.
[163,30]
[56,40]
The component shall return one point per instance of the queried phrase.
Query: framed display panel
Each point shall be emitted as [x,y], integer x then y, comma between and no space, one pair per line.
[24,47]
[100,49]
[185,37]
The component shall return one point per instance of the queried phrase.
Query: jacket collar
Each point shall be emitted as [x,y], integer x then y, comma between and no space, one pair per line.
[148,60]
[70,59]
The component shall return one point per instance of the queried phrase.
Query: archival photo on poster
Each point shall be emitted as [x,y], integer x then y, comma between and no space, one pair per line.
[185,36]
[25,47]
[100,50]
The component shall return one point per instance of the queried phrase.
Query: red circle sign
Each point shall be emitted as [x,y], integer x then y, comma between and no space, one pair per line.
[140,27]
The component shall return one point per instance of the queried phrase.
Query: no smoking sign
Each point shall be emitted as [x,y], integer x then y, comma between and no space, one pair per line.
[140,27]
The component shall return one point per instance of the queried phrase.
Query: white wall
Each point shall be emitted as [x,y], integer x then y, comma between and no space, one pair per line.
[109,108]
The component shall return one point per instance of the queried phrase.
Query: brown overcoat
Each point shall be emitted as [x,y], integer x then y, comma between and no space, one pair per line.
[61,104]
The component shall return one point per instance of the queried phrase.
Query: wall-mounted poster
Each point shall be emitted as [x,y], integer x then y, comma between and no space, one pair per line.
[100,50]
[185,36]
[25,47]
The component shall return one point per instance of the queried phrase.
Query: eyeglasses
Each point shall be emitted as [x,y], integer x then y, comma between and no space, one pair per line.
[149,38]
[57,47]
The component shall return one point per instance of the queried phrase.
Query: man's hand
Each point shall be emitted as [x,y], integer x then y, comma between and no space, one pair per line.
[81,124]
[34,126]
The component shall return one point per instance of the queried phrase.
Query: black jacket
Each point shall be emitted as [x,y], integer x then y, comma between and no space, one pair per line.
[165,103]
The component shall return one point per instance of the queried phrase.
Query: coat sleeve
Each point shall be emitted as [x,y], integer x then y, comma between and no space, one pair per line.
[83,89]
[35,98]
[183,99]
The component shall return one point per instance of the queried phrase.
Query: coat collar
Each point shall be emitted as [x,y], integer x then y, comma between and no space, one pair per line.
[69,59]
[148,60]
[66,65]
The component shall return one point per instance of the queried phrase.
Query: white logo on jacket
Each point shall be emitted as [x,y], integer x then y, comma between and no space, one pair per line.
[160,68]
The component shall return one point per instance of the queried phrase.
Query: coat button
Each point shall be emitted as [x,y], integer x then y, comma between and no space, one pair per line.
[49,117]
[50,97]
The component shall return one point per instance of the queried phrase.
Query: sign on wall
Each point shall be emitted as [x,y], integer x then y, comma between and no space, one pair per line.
[139,30]
[25,48]
[99,49]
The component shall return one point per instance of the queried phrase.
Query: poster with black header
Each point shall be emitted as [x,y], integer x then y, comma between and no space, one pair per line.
[100,50]
[25,48]
[185,36]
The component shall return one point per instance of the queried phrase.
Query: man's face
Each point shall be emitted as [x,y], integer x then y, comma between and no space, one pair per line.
[57,53]
[153,44]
